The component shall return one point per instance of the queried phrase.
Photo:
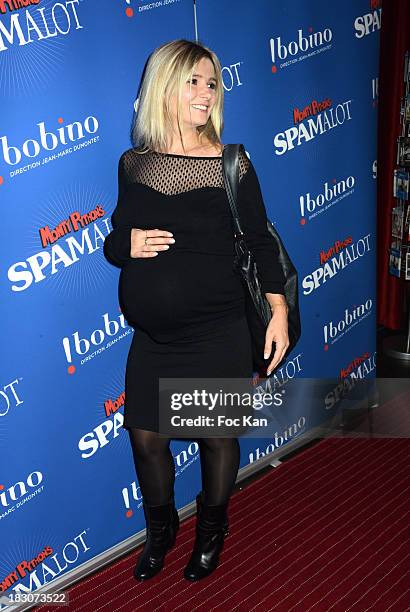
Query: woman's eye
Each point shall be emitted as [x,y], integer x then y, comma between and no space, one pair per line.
[194,82]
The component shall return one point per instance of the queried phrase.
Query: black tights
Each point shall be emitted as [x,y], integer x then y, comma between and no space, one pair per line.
[155,467]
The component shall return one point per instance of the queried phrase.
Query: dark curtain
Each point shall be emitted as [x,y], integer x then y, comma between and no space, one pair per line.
[394,41]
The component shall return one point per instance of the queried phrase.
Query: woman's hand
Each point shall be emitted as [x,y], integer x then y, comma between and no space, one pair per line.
[148,242]
[277,331]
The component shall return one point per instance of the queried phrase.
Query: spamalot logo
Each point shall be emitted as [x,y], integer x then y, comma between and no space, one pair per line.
[73,223]
[353,375]
[68,251]
[43,565]
[341,254]
[15,5]
[27,26]
[310,122]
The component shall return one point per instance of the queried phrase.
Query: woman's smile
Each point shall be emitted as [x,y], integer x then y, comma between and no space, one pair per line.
[201,107]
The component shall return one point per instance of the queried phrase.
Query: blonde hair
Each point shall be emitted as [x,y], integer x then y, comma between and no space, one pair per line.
[169,67]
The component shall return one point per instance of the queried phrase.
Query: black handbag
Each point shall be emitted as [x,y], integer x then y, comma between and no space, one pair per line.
[258,312]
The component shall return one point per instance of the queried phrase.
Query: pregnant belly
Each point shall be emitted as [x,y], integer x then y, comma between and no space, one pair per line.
[171,292]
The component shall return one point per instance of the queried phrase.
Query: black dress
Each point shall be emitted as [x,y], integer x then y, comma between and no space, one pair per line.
[187,303]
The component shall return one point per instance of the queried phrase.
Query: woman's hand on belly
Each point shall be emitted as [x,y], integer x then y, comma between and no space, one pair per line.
[149,242]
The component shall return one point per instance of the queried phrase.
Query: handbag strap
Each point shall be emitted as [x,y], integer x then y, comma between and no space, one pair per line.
[230,168]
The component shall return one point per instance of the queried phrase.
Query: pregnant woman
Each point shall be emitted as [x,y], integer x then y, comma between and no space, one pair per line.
[173,238]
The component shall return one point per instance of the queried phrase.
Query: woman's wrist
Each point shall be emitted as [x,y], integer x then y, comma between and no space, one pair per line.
[277,301]
[280,310]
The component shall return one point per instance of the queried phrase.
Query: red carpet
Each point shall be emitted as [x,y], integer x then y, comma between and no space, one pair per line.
[326,530]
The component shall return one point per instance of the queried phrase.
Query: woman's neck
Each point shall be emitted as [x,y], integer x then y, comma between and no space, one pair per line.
[206,147]
[192,143]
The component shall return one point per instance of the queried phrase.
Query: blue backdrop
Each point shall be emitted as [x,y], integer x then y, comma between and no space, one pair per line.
[303,105]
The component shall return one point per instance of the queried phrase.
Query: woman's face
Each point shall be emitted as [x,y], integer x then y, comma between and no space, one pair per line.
[198,98]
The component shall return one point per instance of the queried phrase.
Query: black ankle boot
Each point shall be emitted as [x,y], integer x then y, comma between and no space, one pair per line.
[162,526]
[199,503]
[209,542]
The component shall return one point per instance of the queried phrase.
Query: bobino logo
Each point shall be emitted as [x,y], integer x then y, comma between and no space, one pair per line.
[21,26]
[334,330]
[370,22]
[313,205]
[129,11]
[94,343]
[20,493]
[375,91]
[279,439]
[183,461]
[39,150]
[10,397]
[302,47]
[145,6]
[130,494]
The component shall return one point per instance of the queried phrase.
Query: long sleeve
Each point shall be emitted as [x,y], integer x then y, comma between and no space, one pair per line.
[117,245]
[253,218]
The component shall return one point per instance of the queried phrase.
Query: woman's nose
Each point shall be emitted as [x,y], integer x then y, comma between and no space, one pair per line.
[205,98]
[204,92]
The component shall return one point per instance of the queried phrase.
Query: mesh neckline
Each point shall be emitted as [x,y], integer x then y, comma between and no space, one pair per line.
[174,173]
[188,156]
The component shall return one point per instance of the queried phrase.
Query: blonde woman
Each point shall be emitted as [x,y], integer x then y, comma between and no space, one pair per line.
[172,236]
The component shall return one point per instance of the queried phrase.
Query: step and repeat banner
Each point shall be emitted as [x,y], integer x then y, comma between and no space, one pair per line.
[300,84]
